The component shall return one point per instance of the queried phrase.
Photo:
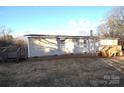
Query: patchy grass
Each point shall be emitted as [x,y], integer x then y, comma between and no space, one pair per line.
[65,72]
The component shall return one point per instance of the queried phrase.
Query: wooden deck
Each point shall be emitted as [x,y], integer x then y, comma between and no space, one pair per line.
[13,53]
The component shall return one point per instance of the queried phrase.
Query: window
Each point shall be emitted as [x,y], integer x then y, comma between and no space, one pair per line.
[84,41]
[62,44]
[76,42]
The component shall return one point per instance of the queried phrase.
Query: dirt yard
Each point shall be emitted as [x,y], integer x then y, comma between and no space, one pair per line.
[67,72]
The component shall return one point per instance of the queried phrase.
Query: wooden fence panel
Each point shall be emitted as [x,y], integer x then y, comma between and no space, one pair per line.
[13,53]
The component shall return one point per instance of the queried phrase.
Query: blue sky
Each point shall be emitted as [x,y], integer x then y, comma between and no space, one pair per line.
[52,20]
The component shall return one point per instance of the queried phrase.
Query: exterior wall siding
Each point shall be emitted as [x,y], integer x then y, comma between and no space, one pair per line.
[108,42]
[44,46]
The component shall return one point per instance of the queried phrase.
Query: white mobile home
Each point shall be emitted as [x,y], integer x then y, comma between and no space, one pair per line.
[44,45]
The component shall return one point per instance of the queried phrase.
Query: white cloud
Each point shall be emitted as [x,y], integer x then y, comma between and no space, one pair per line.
[73,23]
[78,26]
[82,26]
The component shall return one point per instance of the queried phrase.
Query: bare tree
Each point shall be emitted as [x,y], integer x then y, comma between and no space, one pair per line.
[5,36]
[113,25]
[5,32]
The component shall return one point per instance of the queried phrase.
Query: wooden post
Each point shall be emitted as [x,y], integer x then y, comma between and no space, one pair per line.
[94,46]
[29,47]
[58,45]
[88,45]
